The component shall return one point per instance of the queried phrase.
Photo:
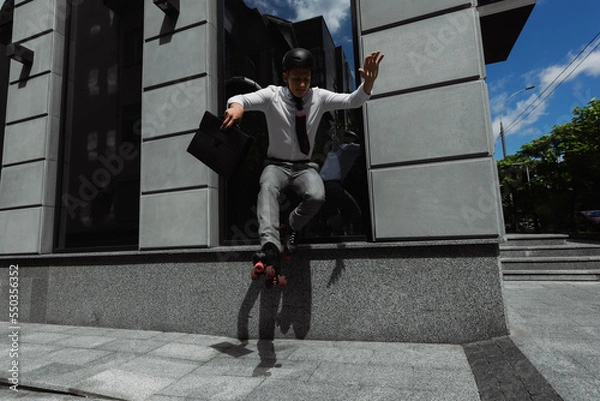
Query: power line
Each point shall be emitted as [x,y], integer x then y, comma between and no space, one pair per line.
[526,112]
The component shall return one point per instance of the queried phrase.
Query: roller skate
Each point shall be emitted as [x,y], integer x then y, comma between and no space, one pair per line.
[267,262]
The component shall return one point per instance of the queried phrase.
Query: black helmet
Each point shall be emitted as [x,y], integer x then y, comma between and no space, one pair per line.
[298,57]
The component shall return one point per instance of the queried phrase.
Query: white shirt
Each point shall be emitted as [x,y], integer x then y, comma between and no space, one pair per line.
[278,105]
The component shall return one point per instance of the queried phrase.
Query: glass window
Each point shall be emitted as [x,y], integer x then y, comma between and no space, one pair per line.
[6,25]
[99,192]
[256,36]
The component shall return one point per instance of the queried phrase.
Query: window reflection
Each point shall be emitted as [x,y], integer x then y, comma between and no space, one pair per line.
[101,138]
[257,35]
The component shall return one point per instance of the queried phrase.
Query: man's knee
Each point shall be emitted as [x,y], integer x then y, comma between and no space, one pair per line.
[315,195]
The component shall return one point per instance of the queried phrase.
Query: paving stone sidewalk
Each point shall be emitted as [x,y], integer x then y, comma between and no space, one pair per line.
[555,330]
[557,326]
[157,366]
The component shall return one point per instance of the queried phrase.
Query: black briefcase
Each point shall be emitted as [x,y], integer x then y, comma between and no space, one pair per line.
[222,151]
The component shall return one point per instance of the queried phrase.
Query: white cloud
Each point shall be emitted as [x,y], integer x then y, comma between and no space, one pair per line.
[519,117]
[272,7]
[512,116]
[334,12]
[588,66]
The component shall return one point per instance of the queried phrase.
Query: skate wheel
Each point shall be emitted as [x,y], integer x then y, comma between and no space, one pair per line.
[270,270]
[282,281]
[259,267]
[253,274]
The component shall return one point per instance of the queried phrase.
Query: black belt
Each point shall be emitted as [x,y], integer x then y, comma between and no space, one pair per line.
[293,164]
[272,160]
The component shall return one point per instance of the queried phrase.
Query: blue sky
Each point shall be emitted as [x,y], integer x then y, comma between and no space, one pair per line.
[555,34]
[335,12]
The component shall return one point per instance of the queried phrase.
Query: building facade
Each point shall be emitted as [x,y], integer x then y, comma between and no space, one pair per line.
[103,97]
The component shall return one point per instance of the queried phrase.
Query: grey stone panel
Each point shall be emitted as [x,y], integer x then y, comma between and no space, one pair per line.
[376,13]
[20,231]
[38,16]
[25,141]
[186,54]
[333,294]
[180,83]
[166,165]
[28,184]
[449,199]
[431,51]
[191,12]
[33,121]
[438,123]
[31,140]
[177,108]
[32,99]
[179,219]
[48,56]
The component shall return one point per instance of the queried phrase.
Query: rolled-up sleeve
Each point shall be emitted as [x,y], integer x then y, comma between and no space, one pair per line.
[337,101]
[255,101]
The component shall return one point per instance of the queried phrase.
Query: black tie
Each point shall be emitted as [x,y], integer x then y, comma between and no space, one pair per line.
[301,126]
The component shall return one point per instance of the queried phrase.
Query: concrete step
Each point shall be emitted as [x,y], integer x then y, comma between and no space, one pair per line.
[550,257]
[534,239]
[552,275]
[551,263]
[549,250]
[575,268]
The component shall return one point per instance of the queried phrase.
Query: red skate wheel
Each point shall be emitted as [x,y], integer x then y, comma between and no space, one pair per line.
[253,274]
[270,270]
[282,281]
[259,267]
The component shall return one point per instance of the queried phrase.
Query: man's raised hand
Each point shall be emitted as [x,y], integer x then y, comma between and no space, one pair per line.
[370,70]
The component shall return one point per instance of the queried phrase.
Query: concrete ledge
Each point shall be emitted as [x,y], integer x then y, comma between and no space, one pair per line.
[410,292]
[232,250]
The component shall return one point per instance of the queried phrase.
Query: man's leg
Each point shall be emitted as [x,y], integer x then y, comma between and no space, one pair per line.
[272,180]
[308,184]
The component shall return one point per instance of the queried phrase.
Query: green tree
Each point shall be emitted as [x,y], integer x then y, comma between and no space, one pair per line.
[564,175]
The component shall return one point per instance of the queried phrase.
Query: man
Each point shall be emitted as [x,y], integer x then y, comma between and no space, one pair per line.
[293,113]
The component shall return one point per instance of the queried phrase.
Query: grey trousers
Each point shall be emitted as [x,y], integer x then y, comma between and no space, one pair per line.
[303,178]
